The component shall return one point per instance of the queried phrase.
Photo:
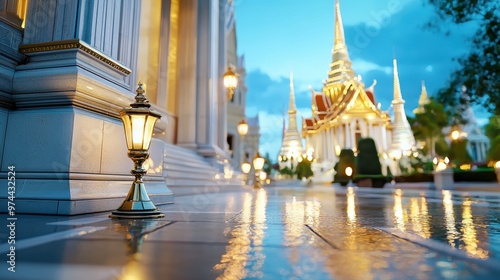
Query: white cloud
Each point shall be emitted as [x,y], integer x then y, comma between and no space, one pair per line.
[362,67]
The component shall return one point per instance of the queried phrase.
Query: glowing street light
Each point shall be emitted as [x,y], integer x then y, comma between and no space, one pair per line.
[138,121]
[242,128]
[230,81]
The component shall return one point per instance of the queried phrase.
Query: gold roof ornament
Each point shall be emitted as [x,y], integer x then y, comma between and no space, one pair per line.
[341,66]
[422,101]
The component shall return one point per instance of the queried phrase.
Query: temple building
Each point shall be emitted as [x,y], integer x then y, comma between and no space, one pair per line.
[345,111]
[291,146]
[67,68]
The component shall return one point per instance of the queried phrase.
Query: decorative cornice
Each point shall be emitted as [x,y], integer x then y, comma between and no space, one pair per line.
[73,44]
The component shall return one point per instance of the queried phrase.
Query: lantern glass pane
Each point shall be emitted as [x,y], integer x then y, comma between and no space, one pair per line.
[127,125]
[138,123]
[148,133]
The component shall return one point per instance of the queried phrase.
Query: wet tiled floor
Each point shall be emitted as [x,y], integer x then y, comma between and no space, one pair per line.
[319,232]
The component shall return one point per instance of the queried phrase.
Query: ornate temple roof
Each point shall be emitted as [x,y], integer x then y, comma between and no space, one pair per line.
[343,92]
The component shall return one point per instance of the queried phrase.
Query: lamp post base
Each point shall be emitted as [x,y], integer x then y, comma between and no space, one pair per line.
[150,214]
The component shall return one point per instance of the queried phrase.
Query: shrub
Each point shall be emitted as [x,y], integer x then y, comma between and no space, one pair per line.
[346,159]
[368,162]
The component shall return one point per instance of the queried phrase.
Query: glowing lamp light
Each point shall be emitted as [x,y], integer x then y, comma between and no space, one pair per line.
[138,122]
[455,134]
[348,171]
[242,128]
[435,161]
[245,167]
[446,160]
[262,176]
[497,164]
[230,81]
[258,162]
[441,166]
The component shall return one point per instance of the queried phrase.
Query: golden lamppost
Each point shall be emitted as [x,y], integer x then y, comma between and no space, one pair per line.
[230,81]
[242,131]
[138,121]
[258,164]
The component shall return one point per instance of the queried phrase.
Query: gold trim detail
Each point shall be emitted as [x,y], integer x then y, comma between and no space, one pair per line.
[73,44]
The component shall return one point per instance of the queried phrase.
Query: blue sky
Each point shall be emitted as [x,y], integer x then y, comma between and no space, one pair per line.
[279,36]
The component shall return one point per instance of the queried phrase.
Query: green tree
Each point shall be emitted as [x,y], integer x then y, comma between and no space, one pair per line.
[478,70]
[492,128]
[458,152]
[494,151]
[428,126]
[303,169]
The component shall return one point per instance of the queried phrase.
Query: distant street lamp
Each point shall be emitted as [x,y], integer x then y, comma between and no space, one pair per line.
[245,168]
[138,121]
[258,164]
[230,81]
[242,128]
[455,134]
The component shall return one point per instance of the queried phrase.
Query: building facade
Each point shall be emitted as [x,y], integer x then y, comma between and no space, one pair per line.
[68,67]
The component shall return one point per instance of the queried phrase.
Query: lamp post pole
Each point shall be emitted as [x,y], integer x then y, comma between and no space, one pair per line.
[242,131]
[258,164]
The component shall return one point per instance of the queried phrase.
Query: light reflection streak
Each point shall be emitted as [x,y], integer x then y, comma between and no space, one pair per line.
[425,218]
[449,217]
[351,207]
[415,215]
[257,237]
[234,261]
[398,210]
[469,233]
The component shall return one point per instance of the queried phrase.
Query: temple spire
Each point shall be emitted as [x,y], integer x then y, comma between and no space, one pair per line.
[339,39]
[397,88]
[292,141]
[402,136]
[340,69]
[292,95]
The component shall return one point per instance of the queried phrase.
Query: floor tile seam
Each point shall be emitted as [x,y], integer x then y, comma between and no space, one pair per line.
[234,216]
[51,237]
[442,248]
[322,237]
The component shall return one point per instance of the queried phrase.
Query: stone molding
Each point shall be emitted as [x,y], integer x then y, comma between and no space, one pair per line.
[73,44]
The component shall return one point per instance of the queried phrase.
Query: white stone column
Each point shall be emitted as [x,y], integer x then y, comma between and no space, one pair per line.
[209,98]
[187,83]
[348,140]
[383,135]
